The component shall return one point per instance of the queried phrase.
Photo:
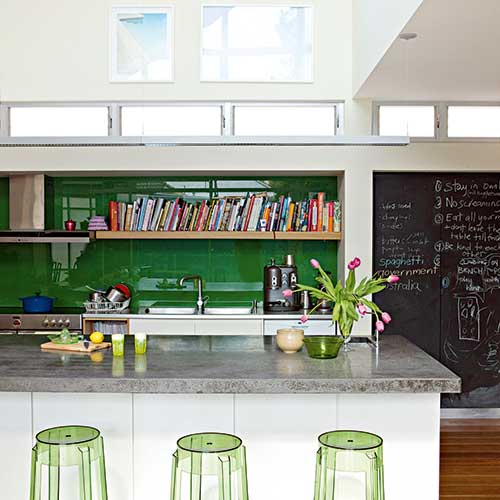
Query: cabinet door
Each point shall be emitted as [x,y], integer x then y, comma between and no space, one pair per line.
[162,326]
[207,326]
[159,421]
[280,432]
[312,327]
[16,443]
[111,414]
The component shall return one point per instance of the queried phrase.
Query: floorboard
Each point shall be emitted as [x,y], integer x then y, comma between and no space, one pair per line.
[470,459]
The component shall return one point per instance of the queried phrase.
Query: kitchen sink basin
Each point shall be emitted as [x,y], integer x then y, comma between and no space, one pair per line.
[229,311]
[171,310]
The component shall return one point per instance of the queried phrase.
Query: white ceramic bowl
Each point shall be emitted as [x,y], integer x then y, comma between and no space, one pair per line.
[290,340]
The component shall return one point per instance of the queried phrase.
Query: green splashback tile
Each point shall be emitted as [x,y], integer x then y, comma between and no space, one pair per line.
[231,269]
[4,203]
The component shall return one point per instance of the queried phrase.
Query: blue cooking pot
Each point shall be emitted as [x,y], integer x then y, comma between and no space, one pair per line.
[37,304]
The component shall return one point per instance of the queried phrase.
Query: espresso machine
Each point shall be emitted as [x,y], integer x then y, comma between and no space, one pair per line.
[277,278]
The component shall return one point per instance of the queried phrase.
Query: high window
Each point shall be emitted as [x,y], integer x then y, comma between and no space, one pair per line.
[413,121]
[474,121]
[141,44]
[58,121]
[257,43]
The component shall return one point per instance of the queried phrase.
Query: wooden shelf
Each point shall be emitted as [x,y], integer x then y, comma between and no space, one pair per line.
[212,235]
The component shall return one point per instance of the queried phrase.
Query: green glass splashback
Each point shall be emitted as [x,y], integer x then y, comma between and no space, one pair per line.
[231,269]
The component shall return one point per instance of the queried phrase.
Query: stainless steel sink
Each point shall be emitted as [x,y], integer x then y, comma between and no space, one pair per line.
[228,311]
[171,310]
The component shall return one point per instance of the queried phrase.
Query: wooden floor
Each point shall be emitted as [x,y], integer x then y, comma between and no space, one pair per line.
[470,459]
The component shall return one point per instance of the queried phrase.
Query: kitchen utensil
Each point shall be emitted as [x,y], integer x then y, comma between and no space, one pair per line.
[78,347]
[124,289]
[96,296]
[277,279]
[323,347]
[305,298]
[37,304]
[115,295]
[290,340]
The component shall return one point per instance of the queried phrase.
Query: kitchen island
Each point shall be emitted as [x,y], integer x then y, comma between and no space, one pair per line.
[277,403]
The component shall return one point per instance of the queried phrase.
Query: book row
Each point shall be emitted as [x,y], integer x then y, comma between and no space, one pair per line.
[256,212]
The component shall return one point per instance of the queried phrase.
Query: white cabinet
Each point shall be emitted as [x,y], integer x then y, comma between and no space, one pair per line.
[280,432]
[111,414]
[159,421]
[15,445]
[312,327]
[228,326]
[163,326]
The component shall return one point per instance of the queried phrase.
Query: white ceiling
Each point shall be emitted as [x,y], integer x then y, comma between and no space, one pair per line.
[455,57]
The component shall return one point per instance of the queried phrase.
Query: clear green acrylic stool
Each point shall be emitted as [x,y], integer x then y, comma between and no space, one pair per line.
[349,465]
[63,456]
[209,466]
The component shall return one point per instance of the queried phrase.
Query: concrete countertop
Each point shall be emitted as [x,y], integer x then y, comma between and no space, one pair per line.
[222,364]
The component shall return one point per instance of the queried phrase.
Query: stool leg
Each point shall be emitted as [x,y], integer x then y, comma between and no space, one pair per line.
[53,473]
[196,476]
[85,475]
[101,465]
[175,479]
[225,478]
[36,476]
[244,477]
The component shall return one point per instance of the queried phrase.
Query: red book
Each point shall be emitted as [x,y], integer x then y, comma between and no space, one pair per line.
[200,216]
[249,213]
[174,213]
[113,216]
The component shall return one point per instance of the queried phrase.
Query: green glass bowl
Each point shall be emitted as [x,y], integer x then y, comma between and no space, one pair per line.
[323,347]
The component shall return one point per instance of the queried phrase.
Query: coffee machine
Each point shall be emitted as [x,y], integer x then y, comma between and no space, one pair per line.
[278,278]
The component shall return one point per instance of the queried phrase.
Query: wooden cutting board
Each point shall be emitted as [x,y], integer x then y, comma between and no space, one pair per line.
[78,347]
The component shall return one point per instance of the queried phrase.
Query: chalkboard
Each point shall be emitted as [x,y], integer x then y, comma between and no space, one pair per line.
[441,235]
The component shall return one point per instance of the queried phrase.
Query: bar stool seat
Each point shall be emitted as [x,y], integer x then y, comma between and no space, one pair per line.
[349,464]
[209,465]
[79,448]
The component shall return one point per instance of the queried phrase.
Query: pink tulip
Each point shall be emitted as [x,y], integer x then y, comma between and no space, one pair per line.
[386,318]
[361,309]
[392,279]
[314,263]
[355,263]
[287,293]
[379,325]
[304,318]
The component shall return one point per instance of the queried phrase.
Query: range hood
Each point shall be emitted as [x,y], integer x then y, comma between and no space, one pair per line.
[27,214]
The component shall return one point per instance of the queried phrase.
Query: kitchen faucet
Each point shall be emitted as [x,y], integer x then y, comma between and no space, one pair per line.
[199,303]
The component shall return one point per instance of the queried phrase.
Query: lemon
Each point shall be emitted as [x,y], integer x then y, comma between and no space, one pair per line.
[96,337]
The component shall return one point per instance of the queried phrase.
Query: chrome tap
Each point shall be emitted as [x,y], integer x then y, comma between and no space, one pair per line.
[200,303]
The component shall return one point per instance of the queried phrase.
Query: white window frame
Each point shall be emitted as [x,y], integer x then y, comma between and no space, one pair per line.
[438,121]
[271,4]
[180,104]
[5,109]
[338,110]
[227,110]
[112,53]
[466,104]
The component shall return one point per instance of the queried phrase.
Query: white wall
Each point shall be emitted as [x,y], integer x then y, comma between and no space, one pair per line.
[376,24]
[58,50]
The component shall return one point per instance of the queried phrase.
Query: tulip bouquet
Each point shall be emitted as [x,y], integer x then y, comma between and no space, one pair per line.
[349,300]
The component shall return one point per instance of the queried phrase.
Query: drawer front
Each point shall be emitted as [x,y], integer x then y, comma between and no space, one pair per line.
[228,326]
[163,326]
[312,327]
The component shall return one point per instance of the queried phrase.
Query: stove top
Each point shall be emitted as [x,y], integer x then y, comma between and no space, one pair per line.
[15,319]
